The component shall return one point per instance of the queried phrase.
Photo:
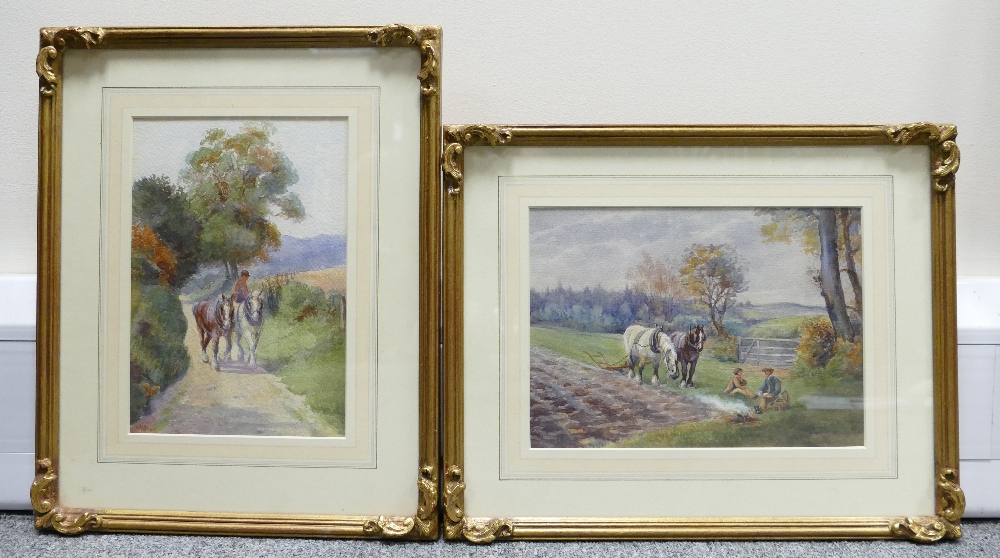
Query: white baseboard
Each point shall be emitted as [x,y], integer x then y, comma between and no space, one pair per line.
[18,473]
[982,491]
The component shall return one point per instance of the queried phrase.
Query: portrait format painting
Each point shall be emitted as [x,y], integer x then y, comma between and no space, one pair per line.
[686,327]
[238,276]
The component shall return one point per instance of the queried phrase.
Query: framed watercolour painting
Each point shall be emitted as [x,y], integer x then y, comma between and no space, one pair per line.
[238,254]
[700,332]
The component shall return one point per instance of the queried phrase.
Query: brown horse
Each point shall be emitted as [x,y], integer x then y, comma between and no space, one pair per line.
[689,347]
[214,320]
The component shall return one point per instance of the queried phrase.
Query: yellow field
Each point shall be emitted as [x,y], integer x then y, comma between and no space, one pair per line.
[329,279]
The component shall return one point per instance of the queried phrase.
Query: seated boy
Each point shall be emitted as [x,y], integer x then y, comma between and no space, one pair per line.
[738,386]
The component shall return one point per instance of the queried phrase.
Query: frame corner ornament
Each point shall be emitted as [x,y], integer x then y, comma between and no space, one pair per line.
[947,524]
[427,510]
[426,38]
[457,526]
[389,527]
[47,514]
[420,526]
[452,167]
[480,135]
[54,42]
[945,155]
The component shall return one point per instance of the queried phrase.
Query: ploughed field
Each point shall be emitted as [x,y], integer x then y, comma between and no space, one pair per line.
[578,405]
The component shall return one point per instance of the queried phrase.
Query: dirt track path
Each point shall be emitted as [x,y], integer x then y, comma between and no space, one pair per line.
[577,405]
[236,400]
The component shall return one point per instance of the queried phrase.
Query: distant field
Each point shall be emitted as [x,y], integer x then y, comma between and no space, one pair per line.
[329,279]
[779,328]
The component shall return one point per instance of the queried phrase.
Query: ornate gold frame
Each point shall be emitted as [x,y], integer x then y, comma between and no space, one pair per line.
[423,524]
[944,157]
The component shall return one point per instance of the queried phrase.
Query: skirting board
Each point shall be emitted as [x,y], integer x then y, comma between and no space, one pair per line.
[17,390]
[979,393]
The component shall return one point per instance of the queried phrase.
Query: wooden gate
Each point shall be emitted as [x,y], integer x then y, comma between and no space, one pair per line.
[762,351]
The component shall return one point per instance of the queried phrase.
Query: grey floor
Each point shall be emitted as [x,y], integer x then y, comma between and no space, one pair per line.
[18,538]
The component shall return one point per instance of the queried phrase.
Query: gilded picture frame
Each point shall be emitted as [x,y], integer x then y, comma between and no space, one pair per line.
[284,76]
[520,201]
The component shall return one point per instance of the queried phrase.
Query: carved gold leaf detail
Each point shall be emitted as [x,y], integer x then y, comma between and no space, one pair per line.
[403,527]
[951,502]
[47,514]
[41,488]
[449,162]
[388,527]
[428,40]
[945,155]
[428,74]
[920,529]
[951,506]
[427,484]
[394,35]
[454,489]
[55,41]
[486,530]
[481,134]
[457,525]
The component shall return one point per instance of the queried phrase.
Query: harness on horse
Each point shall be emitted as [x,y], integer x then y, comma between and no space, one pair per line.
[248,314]
[220,315]
[654,343]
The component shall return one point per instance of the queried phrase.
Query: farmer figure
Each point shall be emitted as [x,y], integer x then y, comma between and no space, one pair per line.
[738,386]
[769,390]
[240,289]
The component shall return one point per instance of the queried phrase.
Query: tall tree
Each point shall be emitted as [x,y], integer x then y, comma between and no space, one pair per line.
[237,182]
[818,230]
[829,273]
[662,286]
[850,240]
[714,275]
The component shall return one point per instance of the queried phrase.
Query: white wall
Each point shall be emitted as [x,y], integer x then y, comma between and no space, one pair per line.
[533,62]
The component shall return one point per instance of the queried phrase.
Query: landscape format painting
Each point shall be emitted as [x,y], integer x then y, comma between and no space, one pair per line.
[696,327]
[238,304]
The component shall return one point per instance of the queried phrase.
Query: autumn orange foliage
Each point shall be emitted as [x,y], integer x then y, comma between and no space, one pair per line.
[145,242]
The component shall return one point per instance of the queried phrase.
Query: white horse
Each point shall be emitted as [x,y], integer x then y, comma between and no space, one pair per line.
[649,344]
[249,322]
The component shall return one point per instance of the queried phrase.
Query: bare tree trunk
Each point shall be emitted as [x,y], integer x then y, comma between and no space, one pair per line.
[852,272]
[829,274]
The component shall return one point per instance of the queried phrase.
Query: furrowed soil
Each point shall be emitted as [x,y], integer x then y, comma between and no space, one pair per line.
[575,405]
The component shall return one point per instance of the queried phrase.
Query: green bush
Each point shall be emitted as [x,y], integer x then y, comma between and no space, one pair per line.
[157,356]
[724,348]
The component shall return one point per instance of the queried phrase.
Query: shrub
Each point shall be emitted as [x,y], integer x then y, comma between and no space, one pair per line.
[724,348]
[847,359]
[157,356]
[816,346]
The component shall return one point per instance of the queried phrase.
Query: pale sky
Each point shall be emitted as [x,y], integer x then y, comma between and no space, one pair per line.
[582,247]
[317,148]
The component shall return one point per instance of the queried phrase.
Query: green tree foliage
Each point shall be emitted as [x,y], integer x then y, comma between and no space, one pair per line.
[237,182]
[714,275]
[164,208]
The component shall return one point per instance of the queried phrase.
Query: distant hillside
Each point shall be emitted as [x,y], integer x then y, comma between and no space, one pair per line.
[792,309]
[304,254]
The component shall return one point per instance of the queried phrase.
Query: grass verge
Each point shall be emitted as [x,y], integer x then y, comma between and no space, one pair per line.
[794,428]
[309,357]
